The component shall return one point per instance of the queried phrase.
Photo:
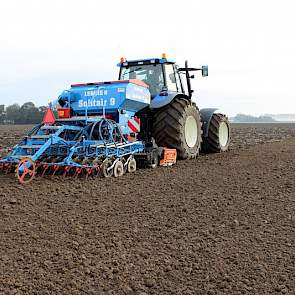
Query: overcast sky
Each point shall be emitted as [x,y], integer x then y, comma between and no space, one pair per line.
[249,47]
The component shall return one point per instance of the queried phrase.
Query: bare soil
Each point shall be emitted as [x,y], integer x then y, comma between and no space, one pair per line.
[220,224]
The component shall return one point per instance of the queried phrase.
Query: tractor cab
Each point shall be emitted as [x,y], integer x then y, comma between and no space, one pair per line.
[160,74]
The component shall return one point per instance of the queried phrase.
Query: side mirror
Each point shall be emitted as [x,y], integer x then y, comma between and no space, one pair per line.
[204,71]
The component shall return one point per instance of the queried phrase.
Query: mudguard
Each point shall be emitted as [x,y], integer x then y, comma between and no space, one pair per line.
[206,115]
[160,101]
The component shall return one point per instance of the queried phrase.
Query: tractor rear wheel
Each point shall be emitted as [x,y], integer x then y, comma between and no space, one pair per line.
[178,126]
[218,138]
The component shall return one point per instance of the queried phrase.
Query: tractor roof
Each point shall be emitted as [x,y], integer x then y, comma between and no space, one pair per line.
[155,60]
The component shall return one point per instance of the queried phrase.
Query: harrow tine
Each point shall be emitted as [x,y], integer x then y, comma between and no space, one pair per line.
[78,171]
[55,168]
[89,172]
[95,171]
[7,168]
[12,168]
[38,167]
[45,167]
[66,170]
[3,167]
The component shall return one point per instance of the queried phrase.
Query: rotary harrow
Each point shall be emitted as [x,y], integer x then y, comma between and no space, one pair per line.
[79,148]
[144,119]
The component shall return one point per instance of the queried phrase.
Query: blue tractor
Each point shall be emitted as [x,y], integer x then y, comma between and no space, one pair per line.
[172,119]
[144,118]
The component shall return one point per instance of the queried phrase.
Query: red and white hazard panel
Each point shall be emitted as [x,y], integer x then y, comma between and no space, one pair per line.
[134,124]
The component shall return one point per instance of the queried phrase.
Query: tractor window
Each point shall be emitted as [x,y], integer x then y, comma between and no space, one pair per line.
[170,77]
[178,80]
[152,75]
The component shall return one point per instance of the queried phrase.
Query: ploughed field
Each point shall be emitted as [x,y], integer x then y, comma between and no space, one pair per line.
[220,224]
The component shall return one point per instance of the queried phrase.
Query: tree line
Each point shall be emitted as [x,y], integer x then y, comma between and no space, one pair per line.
[241,118]
[27,113]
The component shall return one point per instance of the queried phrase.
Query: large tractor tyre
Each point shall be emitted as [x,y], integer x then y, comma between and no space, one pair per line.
[178,126]
[218,138]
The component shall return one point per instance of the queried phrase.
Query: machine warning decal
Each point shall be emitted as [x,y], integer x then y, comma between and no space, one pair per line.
[134,124]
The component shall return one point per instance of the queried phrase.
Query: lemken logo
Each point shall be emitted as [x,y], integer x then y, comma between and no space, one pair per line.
[97,92]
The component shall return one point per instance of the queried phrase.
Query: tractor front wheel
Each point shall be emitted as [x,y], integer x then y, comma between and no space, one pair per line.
[218,138]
